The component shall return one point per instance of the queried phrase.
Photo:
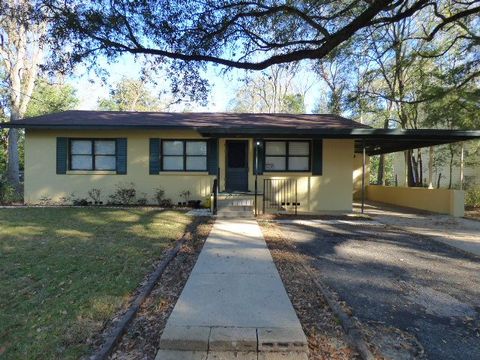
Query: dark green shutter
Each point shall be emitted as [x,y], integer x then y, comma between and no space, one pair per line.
[317,157]
[261,156]
[122,156]
[212,156]
[62,155]
[154,162]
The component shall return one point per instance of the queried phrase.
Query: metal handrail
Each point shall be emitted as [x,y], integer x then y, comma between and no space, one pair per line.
[215,196]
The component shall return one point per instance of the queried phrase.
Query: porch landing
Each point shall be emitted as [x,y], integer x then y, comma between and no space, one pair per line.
[234,300]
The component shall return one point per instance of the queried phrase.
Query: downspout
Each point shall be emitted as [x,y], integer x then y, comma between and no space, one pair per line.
[257,144]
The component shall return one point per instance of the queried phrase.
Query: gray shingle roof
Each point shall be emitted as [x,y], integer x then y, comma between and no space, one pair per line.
[375,141]
[121,119]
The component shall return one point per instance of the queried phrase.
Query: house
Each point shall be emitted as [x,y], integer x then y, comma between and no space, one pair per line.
[301,161]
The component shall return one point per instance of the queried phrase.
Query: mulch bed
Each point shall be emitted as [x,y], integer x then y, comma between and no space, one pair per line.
[326,338]
[143,335]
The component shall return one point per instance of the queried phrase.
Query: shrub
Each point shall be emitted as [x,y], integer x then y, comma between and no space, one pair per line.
[7,192]
[165,203]
[45,200]
[81,202]
[159,195]
[95,195]
[142,200]
[185,194]
[194,204]
[124,194]
[67,200]
[472,197]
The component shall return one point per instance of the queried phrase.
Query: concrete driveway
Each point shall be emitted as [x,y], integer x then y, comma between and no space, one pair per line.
[414,297]
[461,233]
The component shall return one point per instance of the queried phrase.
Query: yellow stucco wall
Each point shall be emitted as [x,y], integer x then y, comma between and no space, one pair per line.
[441,201]
[41,178]
[331,192]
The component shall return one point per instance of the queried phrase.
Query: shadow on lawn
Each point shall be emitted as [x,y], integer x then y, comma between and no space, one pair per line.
[66,271]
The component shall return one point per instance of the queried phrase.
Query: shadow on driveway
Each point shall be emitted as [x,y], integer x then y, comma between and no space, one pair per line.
[407,290]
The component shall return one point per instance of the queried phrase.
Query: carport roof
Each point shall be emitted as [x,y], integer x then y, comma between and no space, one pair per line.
[376,141]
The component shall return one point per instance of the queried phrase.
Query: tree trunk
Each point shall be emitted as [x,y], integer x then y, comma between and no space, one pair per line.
[406,154]
[430,168]
[420,167]
[20,57]
[462,166]
[381,162]
[13,159]
[13,173]
[411,169]
[414,170]
[381,170]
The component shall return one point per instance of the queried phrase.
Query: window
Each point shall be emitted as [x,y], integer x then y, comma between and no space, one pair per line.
[184,155]
[287,156]
[90,154]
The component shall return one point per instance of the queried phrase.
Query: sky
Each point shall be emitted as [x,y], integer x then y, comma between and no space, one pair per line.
[90,88]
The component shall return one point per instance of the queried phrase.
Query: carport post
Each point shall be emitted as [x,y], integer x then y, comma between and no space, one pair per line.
[363,176]
[257,144]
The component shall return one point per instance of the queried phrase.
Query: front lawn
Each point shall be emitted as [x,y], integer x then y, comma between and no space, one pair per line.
[65,271]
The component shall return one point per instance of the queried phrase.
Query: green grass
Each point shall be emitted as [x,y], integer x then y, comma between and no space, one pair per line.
[65,271]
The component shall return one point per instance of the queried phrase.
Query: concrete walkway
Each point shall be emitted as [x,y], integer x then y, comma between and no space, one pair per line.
[460,233]
[234,304]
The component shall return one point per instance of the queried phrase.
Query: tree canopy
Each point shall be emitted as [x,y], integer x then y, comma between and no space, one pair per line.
[274,90]
[49,98]
[242,34]
[132,95]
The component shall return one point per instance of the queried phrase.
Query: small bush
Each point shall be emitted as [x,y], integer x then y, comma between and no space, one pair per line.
[165,203]
[194,204]
[472,197]
[81,202]
[67,200]
[45,200]
[124,194]
[7,192]
[185,194]
[95,195]
[142,200]
[159,195]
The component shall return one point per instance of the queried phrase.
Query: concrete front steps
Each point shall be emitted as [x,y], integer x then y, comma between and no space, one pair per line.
[225,343]
[235,205]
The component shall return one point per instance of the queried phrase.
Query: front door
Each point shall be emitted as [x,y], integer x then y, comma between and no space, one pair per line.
[237,165]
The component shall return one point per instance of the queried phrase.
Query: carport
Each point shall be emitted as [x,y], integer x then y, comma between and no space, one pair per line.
[371,142]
